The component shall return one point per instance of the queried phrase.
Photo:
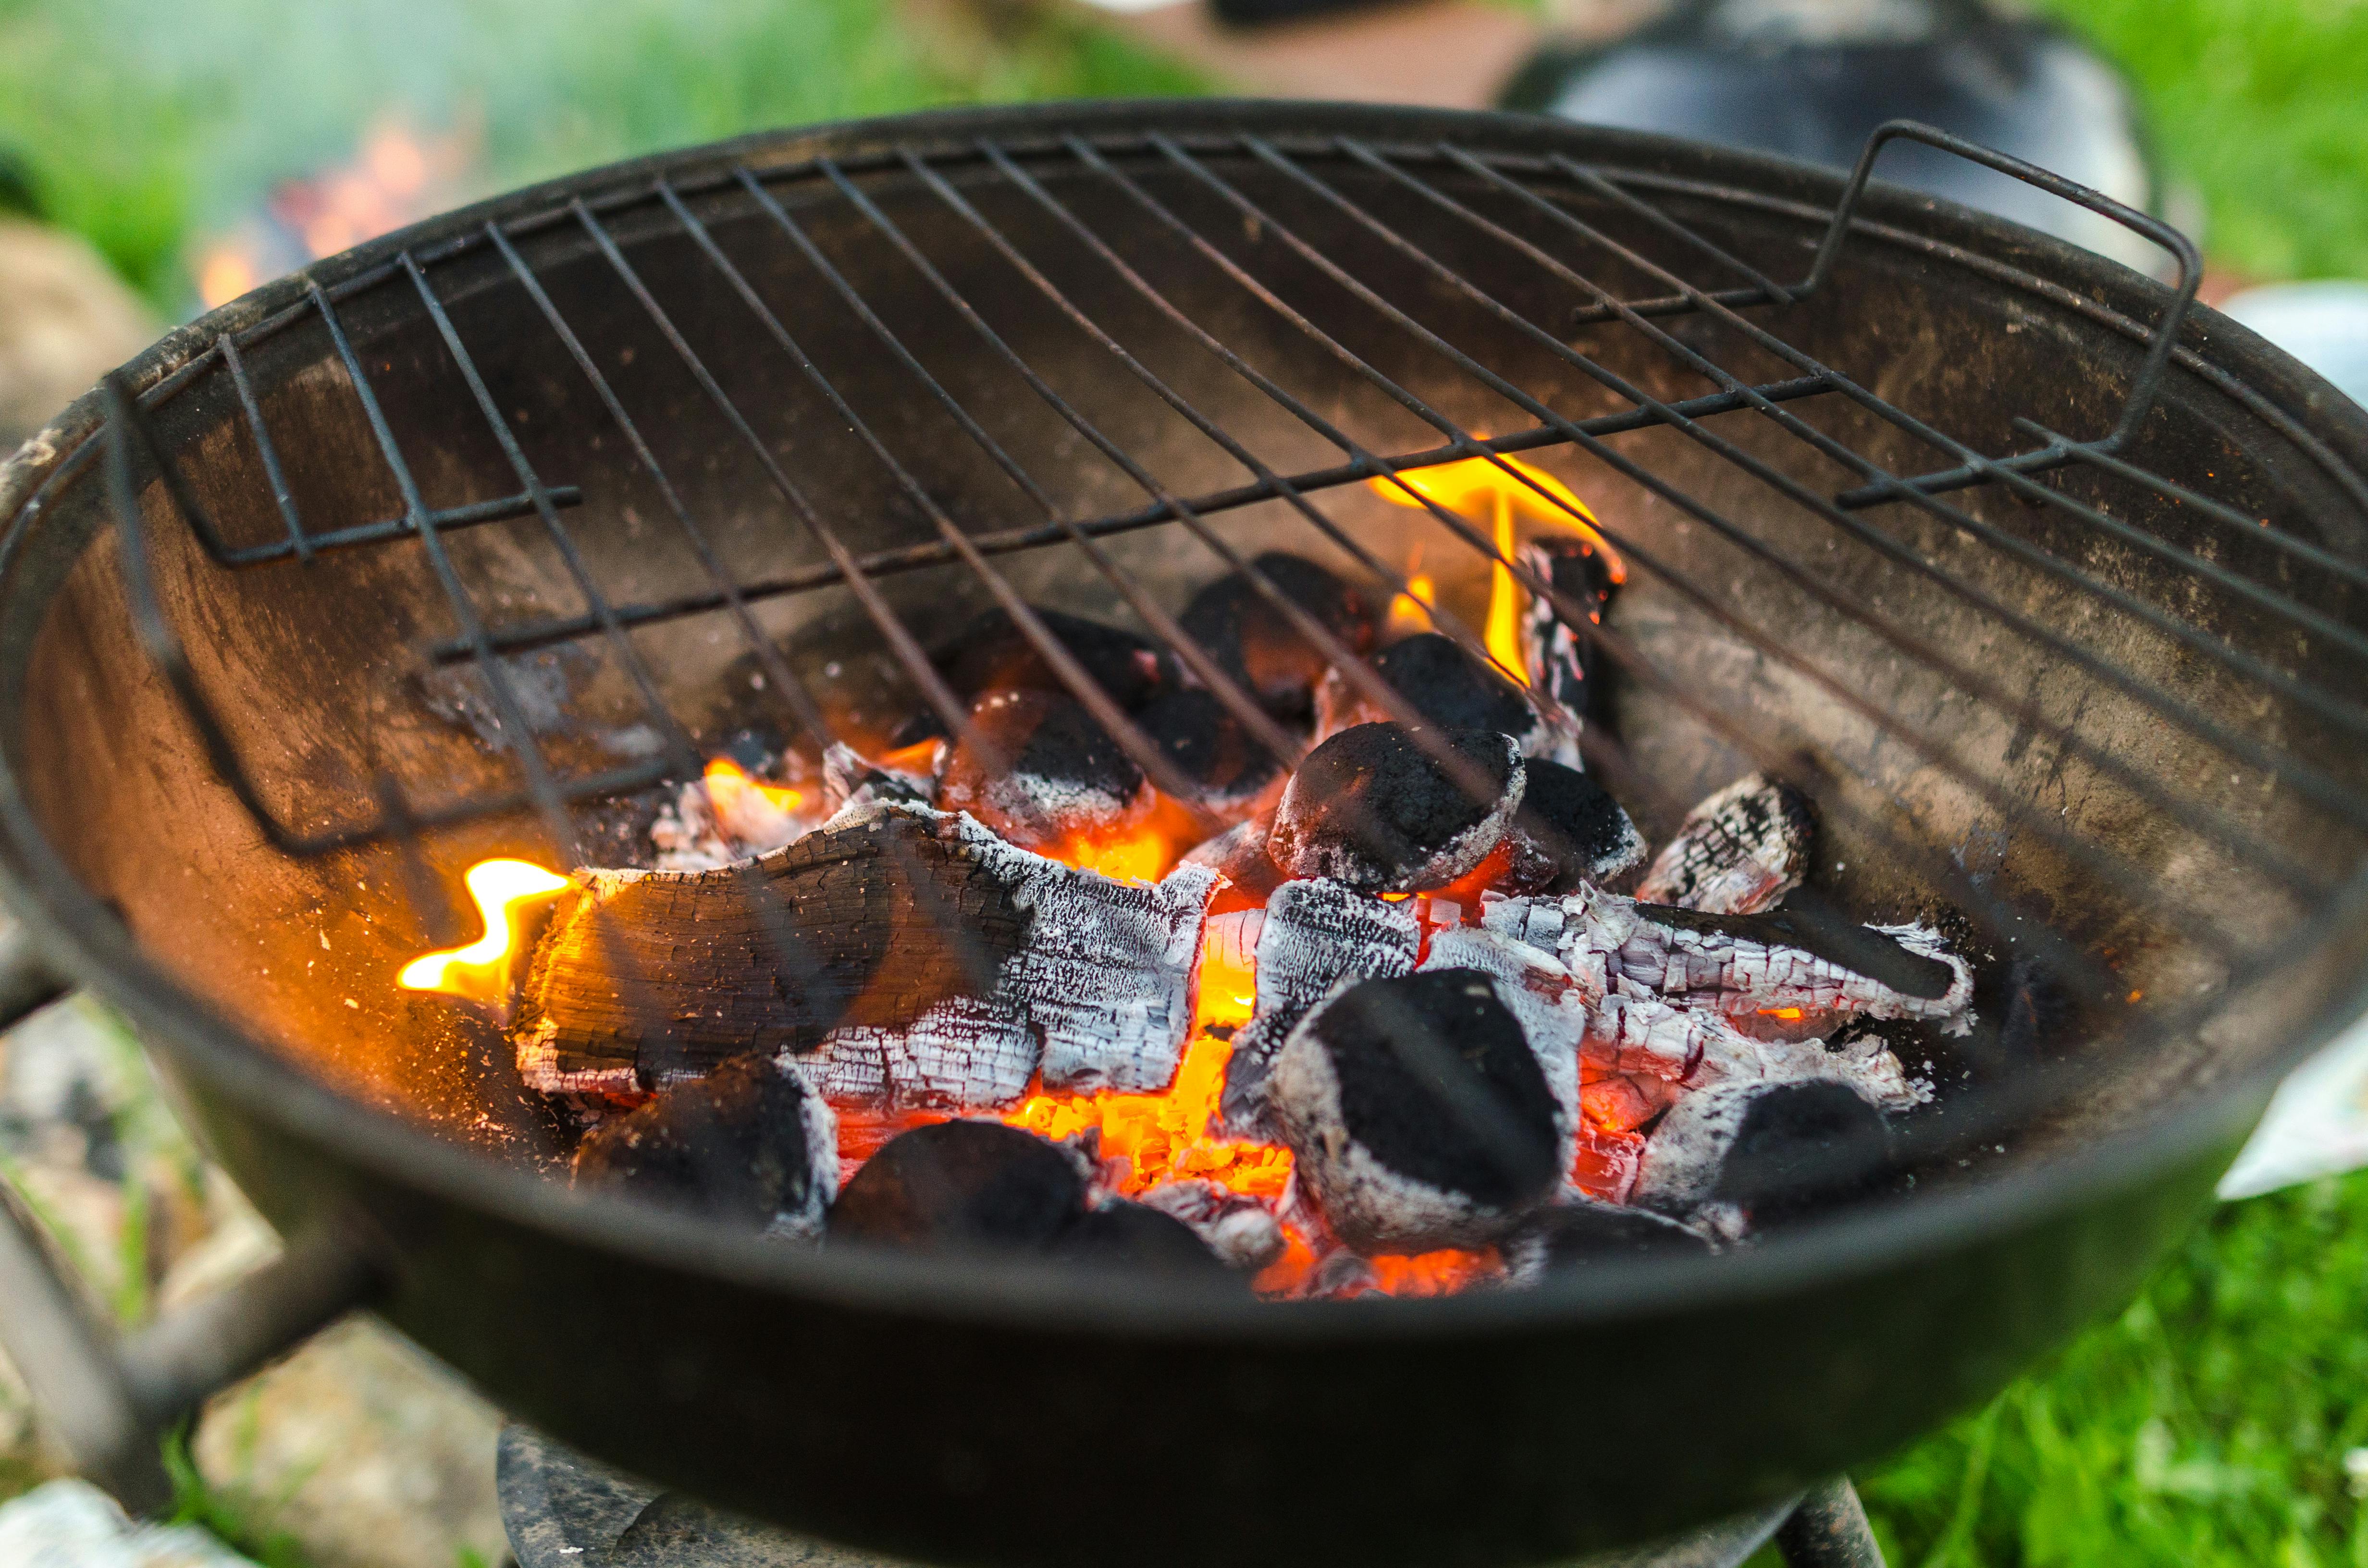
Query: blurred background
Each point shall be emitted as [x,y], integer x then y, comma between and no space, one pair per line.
[157,156]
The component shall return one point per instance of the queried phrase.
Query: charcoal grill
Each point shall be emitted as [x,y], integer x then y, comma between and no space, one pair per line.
[2040,579]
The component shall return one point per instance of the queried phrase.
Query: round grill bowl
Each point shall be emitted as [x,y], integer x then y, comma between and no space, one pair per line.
[2095,748]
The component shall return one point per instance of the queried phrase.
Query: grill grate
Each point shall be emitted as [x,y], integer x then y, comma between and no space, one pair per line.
[1471,201]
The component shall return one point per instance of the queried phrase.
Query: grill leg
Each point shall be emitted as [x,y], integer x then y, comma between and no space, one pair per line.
[1829,1531]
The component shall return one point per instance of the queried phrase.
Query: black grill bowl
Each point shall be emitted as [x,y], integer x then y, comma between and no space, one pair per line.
[2113,747]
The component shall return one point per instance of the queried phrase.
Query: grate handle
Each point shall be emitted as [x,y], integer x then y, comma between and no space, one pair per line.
[2149,383]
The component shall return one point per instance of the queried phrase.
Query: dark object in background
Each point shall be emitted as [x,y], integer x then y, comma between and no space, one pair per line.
[1256,643]
[20,192]
[975,1183]
[1210,745]
[1811,79]
[992,653]
[748,1141]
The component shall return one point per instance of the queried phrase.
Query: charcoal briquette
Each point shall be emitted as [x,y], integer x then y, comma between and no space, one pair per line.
[748,1141]
[1257,645]
[969,1185]
[1374,808]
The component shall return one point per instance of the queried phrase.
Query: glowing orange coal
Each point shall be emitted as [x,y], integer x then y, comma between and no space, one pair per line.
[1143,852]
[1477,485]
[503,890]
[748,810]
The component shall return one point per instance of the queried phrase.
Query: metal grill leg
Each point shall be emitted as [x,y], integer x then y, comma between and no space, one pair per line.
[1829,1531]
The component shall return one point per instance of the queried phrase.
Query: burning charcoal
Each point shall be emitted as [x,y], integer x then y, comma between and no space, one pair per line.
[1313,936]
[1543,996]
[1417,1113]
[1210,746]
[1257,645]
[992,655]
[1749,1155]
[850,779]
[1239,855]
[1371,808]
[1006,965]
[1752,969]
[1569,833]
[963,1184]
[1736,853]
[1581,1234]
[1139,1239]
[748,1141]
[1055,776]
[1562,663]
[1242,1231]
[1448,687]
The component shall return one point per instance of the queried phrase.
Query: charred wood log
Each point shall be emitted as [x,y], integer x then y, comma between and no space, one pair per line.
[748,1141]
[1563,663]
[923,961]
[1312,935]
[1738,852]
[1375,809]
[1257,646]
[1417,1113]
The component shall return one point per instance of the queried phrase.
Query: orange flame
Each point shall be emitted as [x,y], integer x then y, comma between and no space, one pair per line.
[397,176]
[1144,852]
[1474,483]
[481,971]
[750,811]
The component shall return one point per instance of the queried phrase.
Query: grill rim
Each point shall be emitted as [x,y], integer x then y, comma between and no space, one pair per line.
[96,949]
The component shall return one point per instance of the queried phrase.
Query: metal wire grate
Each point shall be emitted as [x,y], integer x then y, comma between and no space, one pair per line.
[1518,207]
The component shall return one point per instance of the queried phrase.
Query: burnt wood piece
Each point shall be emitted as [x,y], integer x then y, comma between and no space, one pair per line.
[1239,855]
[641,978]
[1043,772]
[1563,666]
[1314,934]
[748,1141]
[1417,1113]
[851,779]
[1738,852]
[992,653]
[1746,968]
[1139,1239]
[1257,645]
[1579,1232]
[1568,832]
[928,963]
[1210,746]
[1373,808]
[961,1185]
[1448,687]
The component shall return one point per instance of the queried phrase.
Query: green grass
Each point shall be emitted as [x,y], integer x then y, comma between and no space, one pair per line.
[2263,105]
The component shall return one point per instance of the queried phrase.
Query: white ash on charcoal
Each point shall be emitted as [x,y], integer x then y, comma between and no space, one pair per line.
[1257,646]
[1448,687]
[748,1141]
[852,779]
[1209,745]
[1312,936]
[1242,1230]
[983,1186]
[926,963]
[1568,834]
[1043,773]
[1417,1113]
[991,654]
[1374,807]
[1749,969]
[1579,1232]
[1543,996]
[736,811]
[1738,852]
[1563,663]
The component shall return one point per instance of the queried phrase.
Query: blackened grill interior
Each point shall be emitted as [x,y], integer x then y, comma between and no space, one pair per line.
[2006,768]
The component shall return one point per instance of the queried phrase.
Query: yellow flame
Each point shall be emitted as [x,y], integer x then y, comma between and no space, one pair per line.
[1410,611]
[731,790]
[481,971]
[1468,486]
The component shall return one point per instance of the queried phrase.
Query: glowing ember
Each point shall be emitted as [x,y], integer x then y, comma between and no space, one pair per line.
[481,971]
[398,176]
[1442,1273]
[1142,853]
[749,809]
[1474,484]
